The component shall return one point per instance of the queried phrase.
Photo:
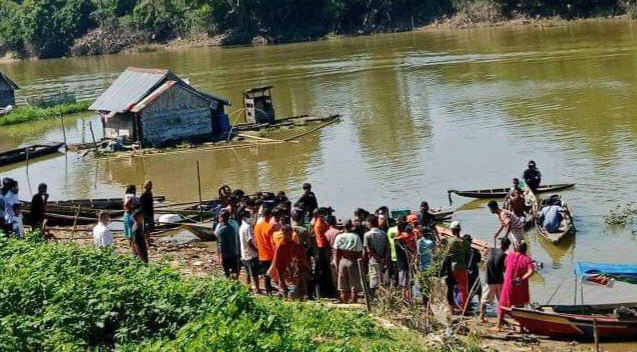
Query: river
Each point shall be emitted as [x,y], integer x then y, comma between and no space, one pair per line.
[423,112]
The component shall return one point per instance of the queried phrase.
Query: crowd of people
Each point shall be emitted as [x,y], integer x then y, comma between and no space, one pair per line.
[300,250]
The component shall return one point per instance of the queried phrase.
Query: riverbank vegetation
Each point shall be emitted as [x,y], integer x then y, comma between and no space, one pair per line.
[55,28]
[72,298]
[33,113]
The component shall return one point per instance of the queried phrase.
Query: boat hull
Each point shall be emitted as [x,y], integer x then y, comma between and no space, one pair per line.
[495,193]
[576,326]
[28,152]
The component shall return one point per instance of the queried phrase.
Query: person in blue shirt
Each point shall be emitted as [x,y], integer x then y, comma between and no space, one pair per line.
[552,215]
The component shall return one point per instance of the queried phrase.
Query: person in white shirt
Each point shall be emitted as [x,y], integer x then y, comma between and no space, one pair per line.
[102,236]
[249,254]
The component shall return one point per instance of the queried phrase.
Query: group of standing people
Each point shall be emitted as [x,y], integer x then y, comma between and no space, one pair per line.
[302,250]
[11,217]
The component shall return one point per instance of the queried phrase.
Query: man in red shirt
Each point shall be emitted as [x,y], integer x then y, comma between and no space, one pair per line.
[291,265]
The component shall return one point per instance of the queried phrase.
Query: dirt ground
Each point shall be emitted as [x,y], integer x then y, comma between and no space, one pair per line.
[199,259]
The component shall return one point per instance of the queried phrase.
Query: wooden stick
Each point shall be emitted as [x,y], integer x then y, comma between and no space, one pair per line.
[595,335]
[90,126]
[199,187]
[335,119]
[63,130]
[258,138]
[77,214]
[365,285]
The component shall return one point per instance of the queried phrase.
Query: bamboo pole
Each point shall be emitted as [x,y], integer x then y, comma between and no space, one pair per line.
[595,334]
[90,126]
[199,188]
[63,130]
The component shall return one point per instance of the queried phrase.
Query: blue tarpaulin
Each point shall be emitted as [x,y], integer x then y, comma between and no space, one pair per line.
[594,271]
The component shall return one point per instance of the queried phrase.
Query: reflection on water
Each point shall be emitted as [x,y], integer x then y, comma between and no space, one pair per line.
[422,113]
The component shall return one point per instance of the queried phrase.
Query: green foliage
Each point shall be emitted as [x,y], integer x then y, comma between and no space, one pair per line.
[56,297]
[34,113]
[621,216]
[161,18]
[47,28]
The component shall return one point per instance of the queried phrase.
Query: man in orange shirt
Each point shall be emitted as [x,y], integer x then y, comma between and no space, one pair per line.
[323,264]
[263,231]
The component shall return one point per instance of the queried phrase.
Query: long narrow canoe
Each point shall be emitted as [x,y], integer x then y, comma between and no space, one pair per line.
[566,227]
[28,152]
[502,192]
[577,326]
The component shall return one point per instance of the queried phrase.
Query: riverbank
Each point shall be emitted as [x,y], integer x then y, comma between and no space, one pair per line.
[23,114]
[82,298]
[198,260]
[103,42]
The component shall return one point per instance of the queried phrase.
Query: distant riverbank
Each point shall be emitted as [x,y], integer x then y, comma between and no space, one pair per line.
[102,42]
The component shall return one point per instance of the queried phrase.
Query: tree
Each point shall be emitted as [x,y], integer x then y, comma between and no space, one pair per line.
[49,26]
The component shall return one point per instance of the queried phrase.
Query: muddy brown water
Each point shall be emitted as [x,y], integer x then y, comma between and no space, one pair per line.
[422,113]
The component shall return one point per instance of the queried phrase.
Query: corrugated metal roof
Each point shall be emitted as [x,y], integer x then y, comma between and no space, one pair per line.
[6,79]
[129,88]
[152,96]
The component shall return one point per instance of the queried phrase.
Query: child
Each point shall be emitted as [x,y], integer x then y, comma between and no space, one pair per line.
[16,219]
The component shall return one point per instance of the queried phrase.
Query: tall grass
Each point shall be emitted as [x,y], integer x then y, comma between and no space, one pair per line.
[33,113]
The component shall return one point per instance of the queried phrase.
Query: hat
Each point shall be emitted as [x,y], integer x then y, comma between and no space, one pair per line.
[455,225]
[412,218]
[307,186]
[531,163]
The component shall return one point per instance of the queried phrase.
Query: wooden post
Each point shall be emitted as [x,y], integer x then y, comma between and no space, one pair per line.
[595,335]
[199,188]
[90,126]
[77,215]
[365,285]
[63,131]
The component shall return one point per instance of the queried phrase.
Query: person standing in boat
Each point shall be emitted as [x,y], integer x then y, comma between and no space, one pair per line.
[148,208]
[512,225]
[307,203]
[532,176]
[38,206]
[427,221]
[515,289]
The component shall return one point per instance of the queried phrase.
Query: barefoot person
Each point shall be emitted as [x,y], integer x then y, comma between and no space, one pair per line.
[512,225]
[495,276]
[515,289]
[348,249]
[290,266]
[459,252]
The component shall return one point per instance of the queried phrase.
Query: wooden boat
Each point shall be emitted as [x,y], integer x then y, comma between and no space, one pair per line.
[566,227]
[616,321]
[28,152]
[605,323]
[81,211]
[502,192]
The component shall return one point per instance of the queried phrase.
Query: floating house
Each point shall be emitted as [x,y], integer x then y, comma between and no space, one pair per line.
[7,91]
[157,108]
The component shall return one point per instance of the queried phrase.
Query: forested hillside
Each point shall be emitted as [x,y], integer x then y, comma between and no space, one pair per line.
[50,28]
